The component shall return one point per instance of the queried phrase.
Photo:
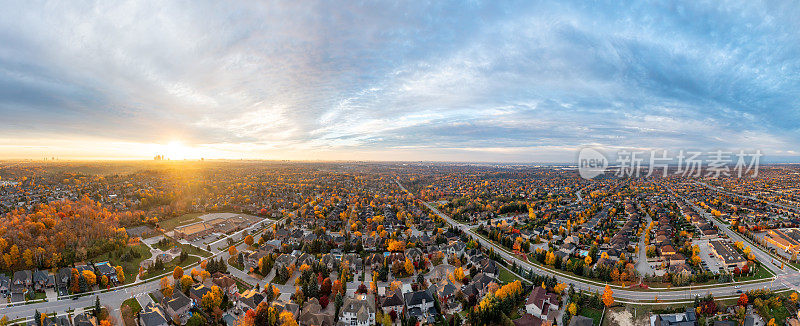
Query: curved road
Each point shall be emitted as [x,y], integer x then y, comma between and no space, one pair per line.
[781,282]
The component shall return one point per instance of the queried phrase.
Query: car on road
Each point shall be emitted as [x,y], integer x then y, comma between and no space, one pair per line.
[737,287]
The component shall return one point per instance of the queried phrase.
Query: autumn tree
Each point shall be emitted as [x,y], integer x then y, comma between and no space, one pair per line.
[186,282]
[608,298]
[120,274]
[742,300]
[248,240]
[409,267]
[177,273]
[166,287]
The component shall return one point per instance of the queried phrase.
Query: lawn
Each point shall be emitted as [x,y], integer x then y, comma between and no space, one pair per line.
[189,249]
[170,267]
[761,273]
[133,304]
[174,222]
[594,314]
[131,267]
[779,314]
[506,276]
[234,262]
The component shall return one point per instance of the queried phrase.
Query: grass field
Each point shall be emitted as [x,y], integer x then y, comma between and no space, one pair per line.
[189,249]
[506,276]
[594,314]
[170,266]
[135,307]
[130,267]
[172,223]
[761,272]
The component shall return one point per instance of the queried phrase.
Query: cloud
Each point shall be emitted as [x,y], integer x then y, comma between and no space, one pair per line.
[401,80]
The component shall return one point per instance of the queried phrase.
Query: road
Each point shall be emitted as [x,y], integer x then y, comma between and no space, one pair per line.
[765,259]
[641,259]
[785,281]
[113,299]
[718,189]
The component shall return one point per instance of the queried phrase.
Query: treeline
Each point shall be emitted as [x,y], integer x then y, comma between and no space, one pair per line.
[60,233]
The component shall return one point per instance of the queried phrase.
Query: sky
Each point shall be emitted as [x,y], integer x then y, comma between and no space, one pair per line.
[505,81]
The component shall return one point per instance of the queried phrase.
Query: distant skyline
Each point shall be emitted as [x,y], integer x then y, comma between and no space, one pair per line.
[470,81]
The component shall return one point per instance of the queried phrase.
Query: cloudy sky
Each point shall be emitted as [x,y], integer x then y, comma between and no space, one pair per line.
[468,81]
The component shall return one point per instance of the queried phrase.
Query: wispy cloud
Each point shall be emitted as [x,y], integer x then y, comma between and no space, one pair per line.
[400,80]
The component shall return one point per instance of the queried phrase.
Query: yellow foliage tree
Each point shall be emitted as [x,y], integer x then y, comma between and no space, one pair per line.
[608,296]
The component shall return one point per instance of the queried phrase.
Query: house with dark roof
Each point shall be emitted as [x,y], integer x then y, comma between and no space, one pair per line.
[106,269]
[420,304]
[251,298]
[581,321]
[197,291]
[393,301]
[41,280]
[153,315]
[62,280]
[179,304]
[540,303]
[688,318]
[85,319]
[5,285]
[444,290]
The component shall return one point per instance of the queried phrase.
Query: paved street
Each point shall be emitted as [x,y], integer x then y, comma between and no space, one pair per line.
[114,299]
[783,281]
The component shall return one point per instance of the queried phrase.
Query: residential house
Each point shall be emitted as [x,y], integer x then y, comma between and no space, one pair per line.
[251,298]
[179,304]
[358,311]
[226,284]
[393,302]
[41,280]
[106,269]
[688,318]
[85,319]
[5,285]
[152,315]
[312,315]
[197,291]
[540,303]
[420,304]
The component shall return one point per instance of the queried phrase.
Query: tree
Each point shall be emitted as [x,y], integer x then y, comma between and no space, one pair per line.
[177,273]
[409,267]
[166,287]
[573,309]
[793,297]
[287,319]
[90,277]
[120,274]
[97,307]
[248,240]
[186,282]
[608,298]
[232,251]
[742,300]
[588,260]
